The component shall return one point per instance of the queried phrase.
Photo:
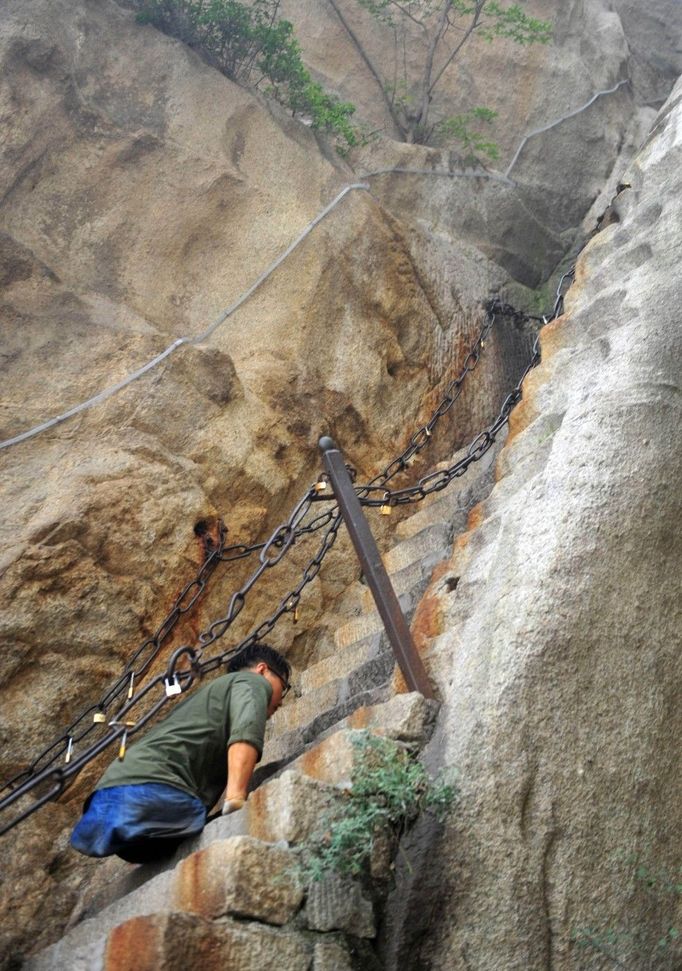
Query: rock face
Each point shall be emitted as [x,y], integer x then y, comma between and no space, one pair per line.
[141,193]
[559,655]
[528,227]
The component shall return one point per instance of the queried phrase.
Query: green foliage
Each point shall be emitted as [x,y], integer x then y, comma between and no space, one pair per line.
[513,24]
[494,19]
[446,26]
[465,130]
[390,789]
[635,948]
[250,44]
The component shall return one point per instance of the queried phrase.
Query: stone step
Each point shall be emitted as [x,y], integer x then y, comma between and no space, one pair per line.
[404,720]
[452,504]
[404,717]
[373,668]
[358,629]
[241,865]
[434,536]
[409,582]
[284,811]
[337,665]
[174,941]
[442,511]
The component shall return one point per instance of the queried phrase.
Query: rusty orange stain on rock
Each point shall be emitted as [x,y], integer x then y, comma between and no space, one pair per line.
[257,808]
[475,517]
[552,339]
[187,886]
[360,718]
[426,624]
[136,945]
[313,762]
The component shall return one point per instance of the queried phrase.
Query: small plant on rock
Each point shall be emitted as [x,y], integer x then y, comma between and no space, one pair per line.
[251,44]
[389,790]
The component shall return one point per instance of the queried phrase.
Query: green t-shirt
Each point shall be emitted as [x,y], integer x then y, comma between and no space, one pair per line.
[188,749]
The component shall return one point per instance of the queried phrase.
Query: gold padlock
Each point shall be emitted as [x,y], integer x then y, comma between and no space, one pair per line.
[131,685]
[320,485]
[99,718]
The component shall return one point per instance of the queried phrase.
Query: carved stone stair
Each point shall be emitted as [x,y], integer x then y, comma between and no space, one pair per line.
[359,669]
[231,898]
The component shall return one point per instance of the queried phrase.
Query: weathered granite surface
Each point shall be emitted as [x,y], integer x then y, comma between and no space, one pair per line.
[562,173]
[140,193]
[558,649]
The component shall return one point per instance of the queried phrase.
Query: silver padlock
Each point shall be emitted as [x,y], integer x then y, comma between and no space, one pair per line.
[173,686]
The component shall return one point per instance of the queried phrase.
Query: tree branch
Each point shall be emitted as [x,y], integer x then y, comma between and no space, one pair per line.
[467,34]
[403,10]
[372,69]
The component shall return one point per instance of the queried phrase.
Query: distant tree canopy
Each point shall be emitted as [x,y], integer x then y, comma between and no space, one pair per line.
[446,26]
[253,46]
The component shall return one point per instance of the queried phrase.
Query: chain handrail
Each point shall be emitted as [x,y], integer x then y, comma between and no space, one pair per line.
[271,552]
[152,645]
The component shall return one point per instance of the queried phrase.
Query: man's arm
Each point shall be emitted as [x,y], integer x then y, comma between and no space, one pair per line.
[241,761]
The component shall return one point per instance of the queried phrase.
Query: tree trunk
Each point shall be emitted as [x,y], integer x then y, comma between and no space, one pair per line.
[372,69]
[421,121]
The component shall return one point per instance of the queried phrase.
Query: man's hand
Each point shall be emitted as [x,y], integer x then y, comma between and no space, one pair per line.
[232,806]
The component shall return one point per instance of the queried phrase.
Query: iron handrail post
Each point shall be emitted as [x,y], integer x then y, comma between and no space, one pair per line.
[375,573]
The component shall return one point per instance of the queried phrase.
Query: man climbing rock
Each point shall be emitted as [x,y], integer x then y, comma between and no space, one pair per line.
[160,794]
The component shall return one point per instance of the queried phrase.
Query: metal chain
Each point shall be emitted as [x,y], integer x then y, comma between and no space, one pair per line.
[51,781]
[271,553]
[421,438]
[440,479]
[143,657]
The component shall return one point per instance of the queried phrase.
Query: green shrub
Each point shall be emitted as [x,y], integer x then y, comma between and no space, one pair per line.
[389,790]
[251,45]
[465,129]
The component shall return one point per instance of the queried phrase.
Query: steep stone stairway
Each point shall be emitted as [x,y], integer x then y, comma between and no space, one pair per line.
[356,665]
[230,899]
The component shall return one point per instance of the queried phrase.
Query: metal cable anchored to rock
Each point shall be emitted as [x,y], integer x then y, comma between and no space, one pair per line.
[189,340]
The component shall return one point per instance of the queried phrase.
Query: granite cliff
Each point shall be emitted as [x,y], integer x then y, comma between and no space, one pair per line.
[141,193]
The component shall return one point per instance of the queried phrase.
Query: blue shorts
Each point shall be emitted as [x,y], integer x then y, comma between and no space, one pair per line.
[139,823]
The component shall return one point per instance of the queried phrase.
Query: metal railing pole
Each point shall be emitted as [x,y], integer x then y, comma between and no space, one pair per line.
[375,573]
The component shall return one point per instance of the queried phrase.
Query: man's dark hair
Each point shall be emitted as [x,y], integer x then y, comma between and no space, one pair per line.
[254,654]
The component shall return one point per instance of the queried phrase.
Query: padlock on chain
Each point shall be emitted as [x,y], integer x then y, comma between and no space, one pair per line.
[172,686]
[124,738]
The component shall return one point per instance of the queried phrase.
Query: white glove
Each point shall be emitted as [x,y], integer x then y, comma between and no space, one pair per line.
[232,806]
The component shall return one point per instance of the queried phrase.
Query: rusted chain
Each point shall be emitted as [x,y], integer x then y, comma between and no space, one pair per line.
[187,663]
